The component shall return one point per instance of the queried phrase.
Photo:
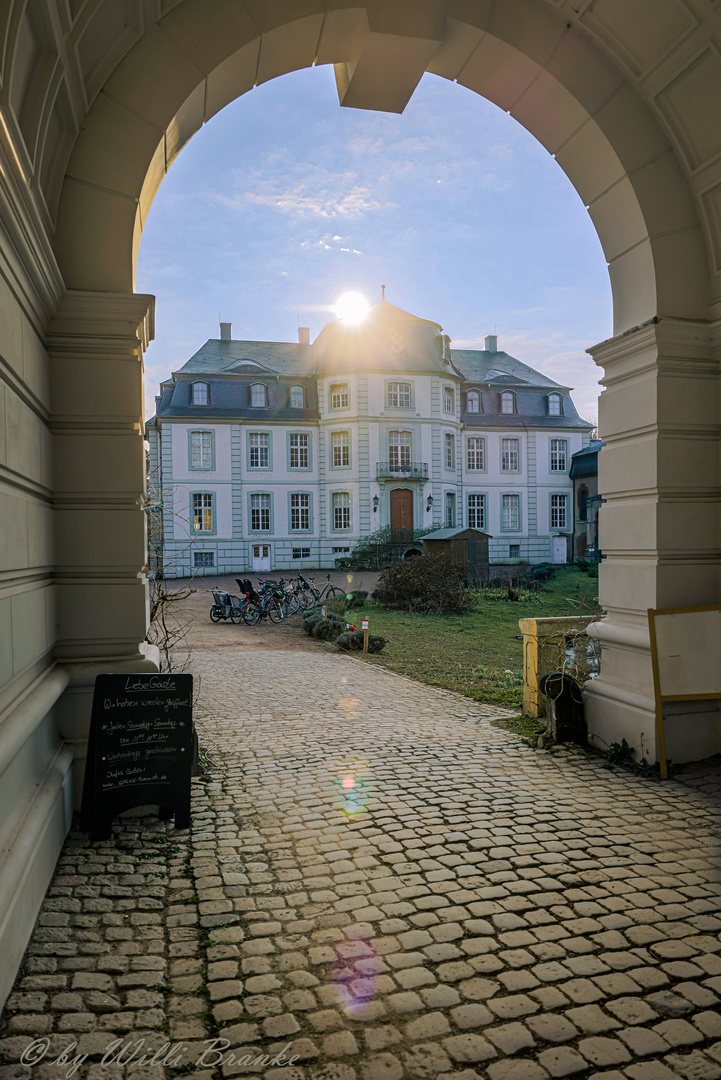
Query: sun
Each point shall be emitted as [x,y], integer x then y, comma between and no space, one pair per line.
[351,306]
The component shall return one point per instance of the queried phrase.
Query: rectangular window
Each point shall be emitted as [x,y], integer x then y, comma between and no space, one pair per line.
[476,456]
[259,451]
[203,558]
[340,550]
[299,512]
[511,512]
[450,451]
[340,449]
[260,513]
[476,511]
[339,396]
[201,450]
[558,455]
[399,395]
[200,393]
[509,455]
[450,510]
[203,512]
[341,510]
[399,449]
[558,511]
[514,551]
[448,399]
[301,553]
[299,457]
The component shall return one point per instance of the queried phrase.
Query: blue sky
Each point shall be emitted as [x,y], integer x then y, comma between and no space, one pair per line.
[285,200]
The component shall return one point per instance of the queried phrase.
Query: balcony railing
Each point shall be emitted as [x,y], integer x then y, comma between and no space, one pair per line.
[414,470]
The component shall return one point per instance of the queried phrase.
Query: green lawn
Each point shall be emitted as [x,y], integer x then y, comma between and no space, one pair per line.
[473,654]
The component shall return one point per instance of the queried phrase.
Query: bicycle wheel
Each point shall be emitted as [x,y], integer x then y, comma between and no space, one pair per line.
[215,614]
[335,593]
[313,598]
[251,612]
[236,615]
[303,601]
[292,603]
[275,611]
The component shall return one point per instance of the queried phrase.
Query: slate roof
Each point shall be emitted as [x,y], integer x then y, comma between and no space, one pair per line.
[280,357]
[480,366]
[585,462]
[448,534]
[231,365]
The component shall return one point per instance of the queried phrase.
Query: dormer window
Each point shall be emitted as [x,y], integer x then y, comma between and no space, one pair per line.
[449,403]
[258,396]
[200,393]
[554,404]
[473,401]
[297,397]
[508,402]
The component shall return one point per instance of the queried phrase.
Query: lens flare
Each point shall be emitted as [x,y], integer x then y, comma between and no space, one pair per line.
[354,973]
[352,782]
[350,705]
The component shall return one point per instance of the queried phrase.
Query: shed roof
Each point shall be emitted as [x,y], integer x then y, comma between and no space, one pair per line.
[450,534]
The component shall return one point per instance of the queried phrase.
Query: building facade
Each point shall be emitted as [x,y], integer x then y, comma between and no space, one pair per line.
[271,455]
[587,502]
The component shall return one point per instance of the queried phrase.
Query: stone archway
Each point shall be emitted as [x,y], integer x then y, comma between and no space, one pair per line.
[577,98]
[95,105]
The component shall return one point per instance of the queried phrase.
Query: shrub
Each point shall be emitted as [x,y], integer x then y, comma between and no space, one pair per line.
[352,641]
[310,618]
[328,629]
[336,605]
[429,584]
[358,598]
[525,595]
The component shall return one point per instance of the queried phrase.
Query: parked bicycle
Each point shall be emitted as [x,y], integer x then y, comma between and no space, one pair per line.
[264,603]
[328,592]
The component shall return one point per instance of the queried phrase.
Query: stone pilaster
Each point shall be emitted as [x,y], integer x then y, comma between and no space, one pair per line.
[95,342]
[659,526]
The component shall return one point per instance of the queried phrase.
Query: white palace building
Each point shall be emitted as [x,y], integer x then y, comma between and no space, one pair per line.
[277,456]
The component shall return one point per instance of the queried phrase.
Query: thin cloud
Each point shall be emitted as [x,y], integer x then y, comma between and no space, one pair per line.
[302,201]
[364,144]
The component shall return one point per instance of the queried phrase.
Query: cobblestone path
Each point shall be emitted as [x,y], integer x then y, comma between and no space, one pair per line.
[381,885]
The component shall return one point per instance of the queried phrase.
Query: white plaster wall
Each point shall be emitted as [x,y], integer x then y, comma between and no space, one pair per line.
[223,503]
[180,442]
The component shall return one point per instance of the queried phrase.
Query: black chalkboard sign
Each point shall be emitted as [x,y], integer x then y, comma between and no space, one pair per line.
[140,749]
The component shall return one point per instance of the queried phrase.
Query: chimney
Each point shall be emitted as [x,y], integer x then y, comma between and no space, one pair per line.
[491,343]
[304,335]
[225,331]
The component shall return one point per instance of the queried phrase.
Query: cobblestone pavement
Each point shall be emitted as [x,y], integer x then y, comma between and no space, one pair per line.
[382,885]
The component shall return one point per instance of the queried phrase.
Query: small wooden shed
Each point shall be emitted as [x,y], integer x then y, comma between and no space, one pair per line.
[466,546]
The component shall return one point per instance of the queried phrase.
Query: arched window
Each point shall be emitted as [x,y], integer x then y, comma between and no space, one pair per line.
[200,393]
[508,402]
[258,396]
[554,404]
[473,401]
[297,397]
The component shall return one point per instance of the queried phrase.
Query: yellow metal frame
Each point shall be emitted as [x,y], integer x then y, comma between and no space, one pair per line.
[659,697]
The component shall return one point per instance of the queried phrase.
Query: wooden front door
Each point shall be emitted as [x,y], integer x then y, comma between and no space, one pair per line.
[402,509]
